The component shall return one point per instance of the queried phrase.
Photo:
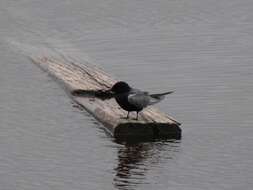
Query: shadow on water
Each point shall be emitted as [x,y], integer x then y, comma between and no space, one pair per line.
[135,159]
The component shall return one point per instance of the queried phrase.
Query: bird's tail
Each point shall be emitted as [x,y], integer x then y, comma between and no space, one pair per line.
[155,98]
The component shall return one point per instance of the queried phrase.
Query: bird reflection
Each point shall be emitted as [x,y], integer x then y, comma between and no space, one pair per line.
[134,160]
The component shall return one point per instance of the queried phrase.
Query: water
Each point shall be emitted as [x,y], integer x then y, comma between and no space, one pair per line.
[200,49]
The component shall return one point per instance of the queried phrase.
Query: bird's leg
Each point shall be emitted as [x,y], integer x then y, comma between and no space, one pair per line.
[137,115]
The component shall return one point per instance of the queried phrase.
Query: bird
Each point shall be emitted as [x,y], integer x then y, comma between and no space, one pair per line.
[131,99]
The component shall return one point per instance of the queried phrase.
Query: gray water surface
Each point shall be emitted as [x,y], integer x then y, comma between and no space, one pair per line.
[202,49]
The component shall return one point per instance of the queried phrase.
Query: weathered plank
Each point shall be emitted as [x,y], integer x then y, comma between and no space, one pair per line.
[152,123]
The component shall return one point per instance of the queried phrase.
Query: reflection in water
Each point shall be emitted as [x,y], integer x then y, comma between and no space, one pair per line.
[134,160]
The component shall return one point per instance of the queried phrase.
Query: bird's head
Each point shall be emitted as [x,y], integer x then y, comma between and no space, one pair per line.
[120,87]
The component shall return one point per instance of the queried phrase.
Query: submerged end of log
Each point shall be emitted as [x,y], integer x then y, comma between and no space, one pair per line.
[147,130]
[75,76]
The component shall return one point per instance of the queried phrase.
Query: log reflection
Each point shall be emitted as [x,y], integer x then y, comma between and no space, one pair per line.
[134,160]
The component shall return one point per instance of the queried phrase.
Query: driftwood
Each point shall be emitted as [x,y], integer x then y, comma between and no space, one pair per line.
[75,76]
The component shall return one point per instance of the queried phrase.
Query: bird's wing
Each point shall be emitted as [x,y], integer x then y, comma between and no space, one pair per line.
[102,94]
[155,98]
[139,99]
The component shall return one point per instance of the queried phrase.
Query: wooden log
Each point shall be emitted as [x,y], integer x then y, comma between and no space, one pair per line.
[151,124]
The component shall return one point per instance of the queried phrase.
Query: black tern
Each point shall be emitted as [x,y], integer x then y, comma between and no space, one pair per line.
[131,99]
[128,98]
